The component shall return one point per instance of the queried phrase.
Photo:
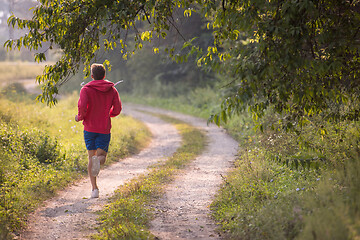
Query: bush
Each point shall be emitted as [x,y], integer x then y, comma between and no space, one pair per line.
[28,174]
[41,145]
[15,92]
[260,199]
[292,185]
[30,142]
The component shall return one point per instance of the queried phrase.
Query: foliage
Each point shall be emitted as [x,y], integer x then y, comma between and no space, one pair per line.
[334,206]
[129,213]
[32,168]
[281,189]
[260,197]
[300,57]
[76,27]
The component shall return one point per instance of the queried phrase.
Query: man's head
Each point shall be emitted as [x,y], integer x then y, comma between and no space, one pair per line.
[97,71]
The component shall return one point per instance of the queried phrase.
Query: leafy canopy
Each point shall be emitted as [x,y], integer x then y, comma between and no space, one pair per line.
[80,28]
[300,57]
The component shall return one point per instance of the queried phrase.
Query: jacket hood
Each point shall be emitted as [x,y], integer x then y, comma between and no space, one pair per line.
[100,85]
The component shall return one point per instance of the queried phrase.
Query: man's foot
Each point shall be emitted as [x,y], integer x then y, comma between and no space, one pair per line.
[95,166]
[95,193]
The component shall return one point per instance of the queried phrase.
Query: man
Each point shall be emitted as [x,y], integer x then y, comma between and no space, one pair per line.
[98,102]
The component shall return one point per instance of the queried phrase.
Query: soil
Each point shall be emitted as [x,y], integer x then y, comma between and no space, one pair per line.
[182,213]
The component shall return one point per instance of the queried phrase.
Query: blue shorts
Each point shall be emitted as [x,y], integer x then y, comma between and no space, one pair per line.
[93,141]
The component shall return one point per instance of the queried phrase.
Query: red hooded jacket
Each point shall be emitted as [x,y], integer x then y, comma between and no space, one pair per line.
[99,100]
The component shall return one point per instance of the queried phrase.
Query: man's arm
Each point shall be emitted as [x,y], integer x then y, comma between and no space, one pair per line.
[82,106]
[116,105]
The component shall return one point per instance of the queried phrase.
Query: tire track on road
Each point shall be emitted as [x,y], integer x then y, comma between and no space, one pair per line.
[71,214]
[183,212]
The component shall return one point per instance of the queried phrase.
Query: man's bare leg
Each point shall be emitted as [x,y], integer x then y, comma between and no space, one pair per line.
[101,154]
[91,153]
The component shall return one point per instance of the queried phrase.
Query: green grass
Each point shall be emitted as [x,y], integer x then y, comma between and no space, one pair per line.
[293,186]
[128,215]
[42,150]
[260,198]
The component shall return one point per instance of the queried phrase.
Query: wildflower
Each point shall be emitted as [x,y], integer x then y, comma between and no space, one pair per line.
[271,180]
[298,189]
[318,179]
[276,196]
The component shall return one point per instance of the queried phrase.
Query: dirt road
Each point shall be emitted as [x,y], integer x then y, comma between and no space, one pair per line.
[183,212]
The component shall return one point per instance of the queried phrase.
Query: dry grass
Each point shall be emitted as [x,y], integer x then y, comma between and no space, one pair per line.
[13,71]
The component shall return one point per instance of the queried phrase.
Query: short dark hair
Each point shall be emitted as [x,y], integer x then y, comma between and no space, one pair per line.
[98,71]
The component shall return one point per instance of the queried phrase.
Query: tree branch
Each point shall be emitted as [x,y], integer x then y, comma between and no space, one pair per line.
[176,28]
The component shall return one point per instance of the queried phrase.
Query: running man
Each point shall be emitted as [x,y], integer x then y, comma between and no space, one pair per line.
[99,101]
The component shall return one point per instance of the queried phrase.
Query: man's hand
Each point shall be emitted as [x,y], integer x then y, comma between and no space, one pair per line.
[76,118]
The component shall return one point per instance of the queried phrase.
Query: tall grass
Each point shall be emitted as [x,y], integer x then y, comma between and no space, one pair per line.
[293,186]
[42,150]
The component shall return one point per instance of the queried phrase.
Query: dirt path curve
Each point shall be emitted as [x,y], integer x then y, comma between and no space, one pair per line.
[183,213]
[71,215]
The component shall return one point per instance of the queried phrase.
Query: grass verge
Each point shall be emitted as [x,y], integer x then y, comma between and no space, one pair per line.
[130,211]
[293,186]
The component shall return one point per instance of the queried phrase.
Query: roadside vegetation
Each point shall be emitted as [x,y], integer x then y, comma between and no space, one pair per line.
[293,186]
[128,214]
[42,151]
[285,184]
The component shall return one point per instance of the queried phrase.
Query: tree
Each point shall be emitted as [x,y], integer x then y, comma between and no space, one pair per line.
[300,57]
[21,9]
[80,28]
